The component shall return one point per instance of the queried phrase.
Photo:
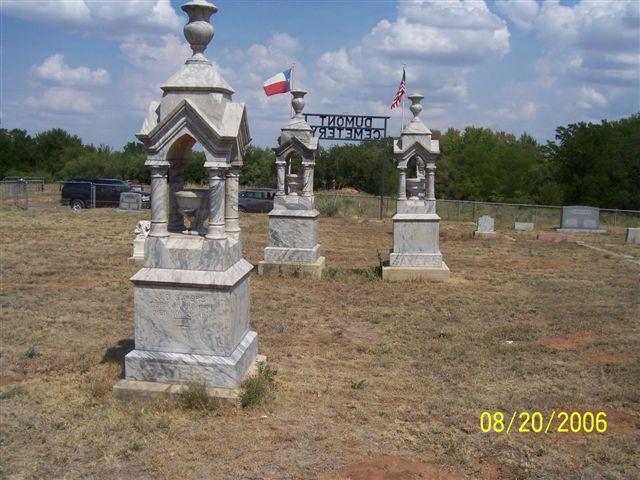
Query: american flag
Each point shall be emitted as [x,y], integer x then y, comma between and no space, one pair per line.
[399,93]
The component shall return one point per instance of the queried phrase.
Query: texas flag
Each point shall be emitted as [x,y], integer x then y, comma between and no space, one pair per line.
[279,83]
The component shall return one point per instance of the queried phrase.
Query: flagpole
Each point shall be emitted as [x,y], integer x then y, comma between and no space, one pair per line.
[293,68]
[404,75]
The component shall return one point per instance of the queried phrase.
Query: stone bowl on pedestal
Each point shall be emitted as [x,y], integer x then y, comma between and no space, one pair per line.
[416,187]
[294,181]
[190,205]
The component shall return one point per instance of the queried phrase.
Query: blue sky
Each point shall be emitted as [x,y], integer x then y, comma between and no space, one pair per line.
[92,67]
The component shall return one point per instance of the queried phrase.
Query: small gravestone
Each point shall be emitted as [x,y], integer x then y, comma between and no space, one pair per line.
[524,226]
[633,235]
[141,232]
[484,228]
[130,202]
[580,219]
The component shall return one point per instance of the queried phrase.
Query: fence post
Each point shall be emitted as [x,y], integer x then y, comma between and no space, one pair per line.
[93,195]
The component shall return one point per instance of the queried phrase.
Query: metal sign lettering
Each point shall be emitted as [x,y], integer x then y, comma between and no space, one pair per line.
[329,126]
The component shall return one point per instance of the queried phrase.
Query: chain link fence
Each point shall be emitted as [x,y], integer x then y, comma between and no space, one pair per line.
[81,194]
[505,214]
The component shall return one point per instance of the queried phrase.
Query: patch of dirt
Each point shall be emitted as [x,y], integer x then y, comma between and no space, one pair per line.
[392,467]
[79,283]
[569,342]
[492,469]
[621,423]
[8,380]
[607,358]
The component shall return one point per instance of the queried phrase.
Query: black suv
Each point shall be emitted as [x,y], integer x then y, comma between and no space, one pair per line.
[256,200]
[77,193]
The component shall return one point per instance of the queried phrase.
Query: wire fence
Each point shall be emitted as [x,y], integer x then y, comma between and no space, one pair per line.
[505,214]
[81,194]
[23,194]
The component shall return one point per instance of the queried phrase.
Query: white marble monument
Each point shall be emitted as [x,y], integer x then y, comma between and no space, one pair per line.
[485,227]
[416,225]
[191,298]
[141,233]
[293,223]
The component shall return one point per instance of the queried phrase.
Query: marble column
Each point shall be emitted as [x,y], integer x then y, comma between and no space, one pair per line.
[402,183]
[176,183]
[280,166]
[231,218]
[307,185]
[217,195]
[159,202]
[431,182]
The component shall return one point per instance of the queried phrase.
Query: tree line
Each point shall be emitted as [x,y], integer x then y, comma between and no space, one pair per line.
[588,163]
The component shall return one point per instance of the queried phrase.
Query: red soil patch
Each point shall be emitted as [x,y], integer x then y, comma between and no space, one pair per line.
[619,422]
[492,469]
[79,283]
[8,380]
[570,342]
[391,467]
[607,358]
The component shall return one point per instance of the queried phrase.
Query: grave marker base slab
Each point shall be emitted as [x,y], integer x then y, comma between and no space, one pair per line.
[399,274]
[580,230]
[484,235]
[292,269]
[142,391]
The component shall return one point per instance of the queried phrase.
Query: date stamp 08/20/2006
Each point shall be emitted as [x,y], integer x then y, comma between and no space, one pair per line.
[536,422]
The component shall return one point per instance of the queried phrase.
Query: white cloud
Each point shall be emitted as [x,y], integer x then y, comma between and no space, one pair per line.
[65,14]
[63,99]
[110,18]
[521,12]
[458,32]
[53,69]
[589,97]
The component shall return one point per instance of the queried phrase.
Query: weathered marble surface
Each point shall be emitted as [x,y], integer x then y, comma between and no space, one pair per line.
[213,370]
[633,235]
[285,254]
[580,217]
[190,320]
[415,259]
[192,252]
[142,232]
[485,224]
[416,206]
[193,278]
[130,202]
[416,233]
[293,232]
[524,226]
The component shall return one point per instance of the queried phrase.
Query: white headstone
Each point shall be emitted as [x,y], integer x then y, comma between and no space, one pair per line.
[524,226]
[130,202]
[633,235]
[485,224]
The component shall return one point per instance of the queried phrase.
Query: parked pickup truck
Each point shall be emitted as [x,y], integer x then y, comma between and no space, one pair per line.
[77,193]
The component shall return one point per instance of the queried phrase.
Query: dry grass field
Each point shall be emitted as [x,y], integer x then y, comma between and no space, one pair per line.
[522,325]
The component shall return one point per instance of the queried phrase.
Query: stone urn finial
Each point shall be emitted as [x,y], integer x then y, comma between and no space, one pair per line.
[297,102]
[198,31]
[416,108]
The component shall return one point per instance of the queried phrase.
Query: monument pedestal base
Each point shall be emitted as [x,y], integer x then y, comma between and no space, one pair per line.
[399,274]
[292,269]
[477,234]
[143,391]
[580,230]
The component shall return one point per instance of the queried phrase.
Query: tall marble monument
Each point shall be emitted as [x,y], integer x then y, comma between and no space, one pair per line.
[191,298]
[416,226]
[293,223]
